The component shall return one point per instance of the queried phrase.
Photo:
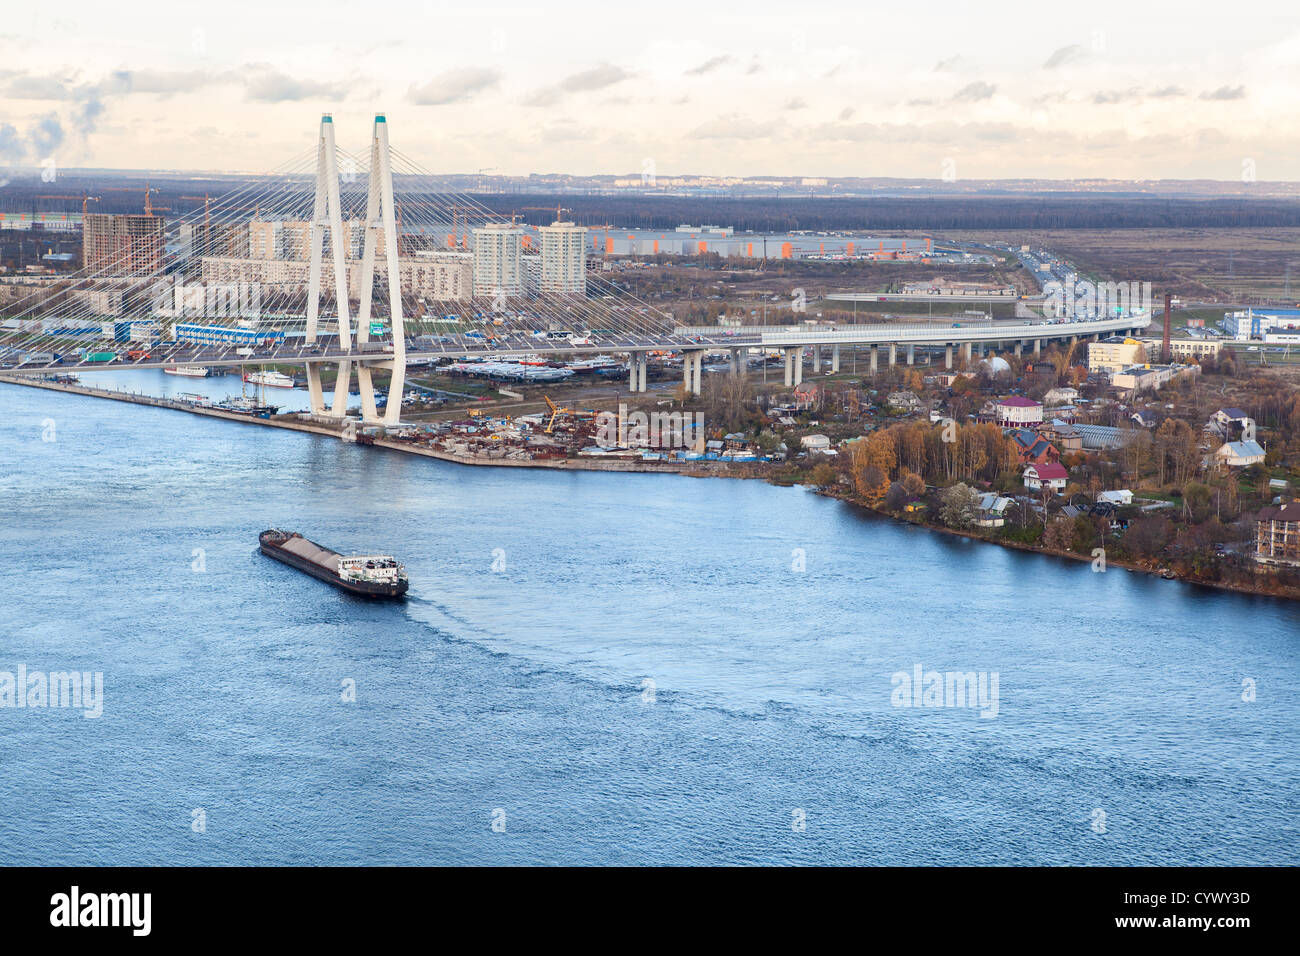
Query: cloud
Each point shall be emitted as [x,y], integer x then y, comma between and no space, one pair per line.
[25,86]
[708,65]
[1225,93]
[165,82]
[547,96]
[267,85]
[948,65]
[1167,92]
[597,78]
[974,92]
[846,114]
[454,86]
[1066,54]
[734,127]
[798,103]
[1107,97]
[930,134]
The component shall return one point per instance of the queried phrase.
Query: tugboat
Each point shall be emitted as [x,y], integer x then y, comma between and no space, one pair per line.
[369,575]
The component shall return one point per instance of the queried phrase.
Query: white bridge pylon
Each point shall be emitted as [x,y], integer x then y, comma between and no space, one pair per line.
[380,215]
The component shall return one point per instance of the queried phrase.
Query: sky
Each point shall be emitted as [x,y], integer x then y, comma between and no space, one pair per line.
[1108,90]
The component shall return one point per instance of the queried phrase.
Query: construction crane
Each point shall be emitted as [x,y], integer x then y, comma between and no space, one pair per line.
[84,197]
[207,208]
[559,210]
[557,411]
[148,191]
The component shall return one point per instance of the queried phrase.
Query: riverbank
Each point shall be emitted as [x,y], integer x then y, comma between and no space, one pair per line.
[696,469]
[1165,574]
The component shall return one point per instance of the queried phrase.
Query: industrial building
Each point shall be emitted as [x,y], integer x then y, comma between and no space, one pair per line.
[1267,325]
[1114,354]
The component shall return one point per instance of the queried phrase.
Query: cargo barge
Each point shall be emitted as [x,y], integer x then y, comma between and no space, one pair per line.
[369,575]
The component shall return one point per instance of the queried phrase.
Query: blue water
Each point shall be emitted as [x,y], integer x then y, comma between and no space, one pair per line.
[524,690]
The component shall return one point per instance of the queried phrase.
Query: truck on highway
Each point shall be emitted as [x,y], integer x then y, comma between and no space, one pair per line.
[100,357]
[39,358]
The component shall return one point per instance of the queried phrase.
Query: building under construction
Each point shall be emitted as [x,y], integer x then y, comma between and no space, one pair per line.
[122,245]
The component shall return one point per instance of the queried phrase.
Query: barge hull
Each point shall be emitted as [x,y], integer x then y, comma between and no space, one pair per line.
[315,570]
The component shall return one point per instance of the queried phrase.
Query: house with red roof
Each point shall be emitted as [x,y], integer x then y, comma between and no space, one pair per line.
[1051,476]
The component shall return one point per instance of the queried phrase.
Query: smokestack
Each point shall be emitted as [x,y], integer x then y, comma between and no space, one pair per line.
[1165,354]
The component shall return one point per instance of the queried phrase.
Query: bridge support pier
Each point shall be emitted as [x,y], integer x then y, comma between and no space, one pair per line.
[736,367]
[835,359]
[315,394]
[1019,346]
[636,363]
[965,352]
[793,366]
[911,354]
[893,354]
[816,360]
[1038,347]
[875,349]
[947,356]
[692,371]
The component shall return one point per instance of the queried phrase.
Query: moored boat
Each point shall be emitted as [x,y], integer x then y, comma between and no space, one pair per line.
[271,379]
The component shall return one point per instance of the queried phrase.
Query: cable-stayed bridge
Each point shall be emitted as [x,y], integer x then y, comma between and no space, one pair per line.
[341,225]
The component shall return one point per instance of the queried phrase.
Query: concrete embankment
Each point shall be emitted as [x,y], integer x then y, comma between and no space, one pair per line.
[156,402]
[292,423]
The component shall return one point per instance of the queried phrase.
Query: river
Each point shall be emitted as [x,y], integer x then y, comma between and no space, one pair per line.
[594,668]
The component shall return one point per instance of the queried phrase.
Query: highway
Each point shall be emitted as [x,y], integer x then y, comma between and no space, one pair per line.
[506,345]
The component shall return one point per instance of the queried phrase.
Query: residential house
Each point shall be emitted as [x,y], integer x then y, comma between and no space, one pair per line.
[1033,448]
[992,510]
[1143,419]
[1118,497]
[1239,454]
[1277,535]
[739,441]
[1017,411]
[1063,435]
[1225,417]
[807,395]
[1062,395]
[1227,422]
[1051,476]
[905,401]
[815,443]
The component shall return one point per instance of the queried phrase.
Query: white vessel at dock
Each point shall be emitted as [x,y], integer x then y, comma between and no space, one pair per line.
[270,379]
[190,371]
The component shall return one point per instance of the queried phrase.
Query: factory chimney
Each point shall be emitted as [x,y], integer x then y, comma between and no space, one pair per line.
[1165,355]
